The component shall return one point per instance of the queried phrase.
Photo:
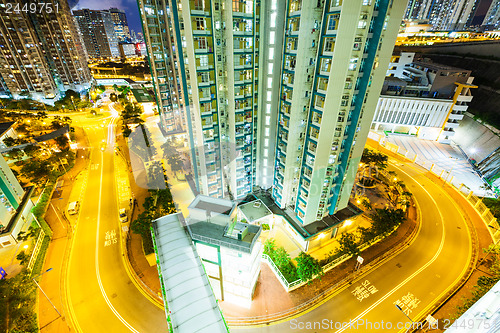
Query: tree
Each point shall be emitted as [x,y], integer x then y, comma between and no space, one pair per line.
[32,150]
[18,304]
[62,142]
[175,162]
[348,244]
[23,258]
[31,233]
[9,142]
[308,267]
[15,154]
[384,220]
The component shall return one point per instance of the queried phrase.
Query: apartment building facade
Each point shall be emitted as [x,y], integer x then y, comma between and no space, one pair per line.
[40,53]
[277,94]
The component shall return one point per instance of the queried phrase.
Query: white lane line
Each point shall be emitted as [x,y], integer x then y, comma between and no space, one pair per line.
[436,255]
[97,257]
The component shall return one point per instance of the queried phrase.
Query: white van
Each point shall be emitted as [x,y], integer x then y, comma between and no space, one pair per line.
[73,207]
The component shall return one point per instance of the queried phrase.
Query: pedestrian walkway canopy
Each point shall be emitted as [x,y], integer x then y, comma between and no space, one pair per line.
[190,304]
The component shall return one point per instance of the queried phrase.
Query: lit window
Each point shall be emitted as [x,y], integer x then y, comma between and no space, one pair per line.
[269,82]
[361,24]
[273,20]
[268,108]
[271,53]
[266,152]
[268,120]
[267,131]
[266,142]
[269,95]
[270,68]
[271,37]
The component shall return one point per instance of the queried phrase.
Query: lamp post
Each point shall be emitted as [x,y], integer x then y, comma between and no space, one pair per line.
[72,102]
[48,270]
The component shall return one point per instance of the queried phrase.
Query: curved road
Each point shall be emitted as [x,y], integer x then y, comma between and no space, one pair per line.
[101,295]
[415,279]
[103,298]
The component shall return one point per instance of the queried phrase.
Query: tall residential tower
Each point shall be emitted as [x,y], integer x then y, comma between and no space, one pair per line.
[276,94]
[98,33]
[40,53]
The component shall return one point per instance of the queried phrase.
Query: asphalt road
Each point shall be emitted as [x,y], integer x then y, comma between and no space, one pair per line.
[414,279]
[101,295]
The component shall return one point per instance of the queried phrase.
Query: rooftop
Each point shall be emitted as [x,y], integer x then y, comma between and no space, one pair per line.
[332,220]
[190,302]
[212,205]
[254,210]
[437,67]
[225,236]
[142,96]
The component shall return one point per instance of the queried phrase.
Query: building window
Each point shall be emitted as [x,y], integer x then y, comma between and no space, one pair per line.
[200,23]
[202,42]
[332,21]
[329,44]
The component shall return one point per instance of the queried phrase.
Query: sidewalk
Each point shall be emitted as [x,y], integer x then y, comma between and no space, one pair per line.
[52,282]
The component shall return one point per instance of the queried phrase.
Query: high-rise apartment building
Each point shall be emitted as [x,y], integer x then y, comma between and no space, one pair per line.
[98,33]
[119,19]
[276,94]
[40,53]
[442,14]
[492,17]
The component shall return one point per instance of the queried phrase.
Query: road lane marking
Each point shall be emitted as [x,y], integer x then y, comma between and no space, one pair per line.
[409,278]
[420,315]
[103,292]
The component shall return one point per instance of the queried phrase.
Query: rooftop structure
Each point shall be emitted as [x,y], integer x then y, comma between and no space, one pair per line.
[190,304]
[230,249]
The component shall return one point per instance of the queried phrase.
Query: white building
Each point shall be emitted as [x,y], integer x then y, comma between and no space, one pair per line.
[425,100]
[230,250]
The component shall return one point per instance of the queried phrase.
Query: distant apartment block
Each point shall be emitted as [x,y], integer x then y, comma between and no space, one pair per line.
[119,19]
[127,50]
[40,53]
[425,99]
[98,33]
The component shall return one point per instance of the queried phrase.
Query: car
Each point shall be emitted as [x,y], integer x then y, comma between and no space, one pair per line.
[123,215]
[103,146]
[73,207]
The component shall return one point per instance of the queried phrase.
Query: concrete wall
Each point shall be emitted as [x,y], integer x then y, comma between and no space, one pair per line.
[475,139]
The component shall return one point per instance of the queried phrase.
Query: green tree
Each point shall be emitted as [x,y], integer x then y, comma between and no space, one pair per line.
[175,162]
[308,267]
[384,220]
[23,258]
[62,142]
[18,304]
[348,244]
[9,142]
[15,154]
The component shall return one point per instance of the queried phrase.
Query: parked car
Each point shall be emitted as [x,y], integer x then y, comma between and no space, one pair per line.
[123,215]
[73,207]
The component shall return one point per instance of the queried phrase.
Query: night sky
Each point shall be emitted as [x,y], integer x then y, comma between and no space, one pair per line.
[129,6]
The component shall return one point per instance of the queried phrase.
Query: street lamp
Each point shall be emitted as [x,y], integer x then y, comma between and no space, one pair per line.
[73,103]
[48,270]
